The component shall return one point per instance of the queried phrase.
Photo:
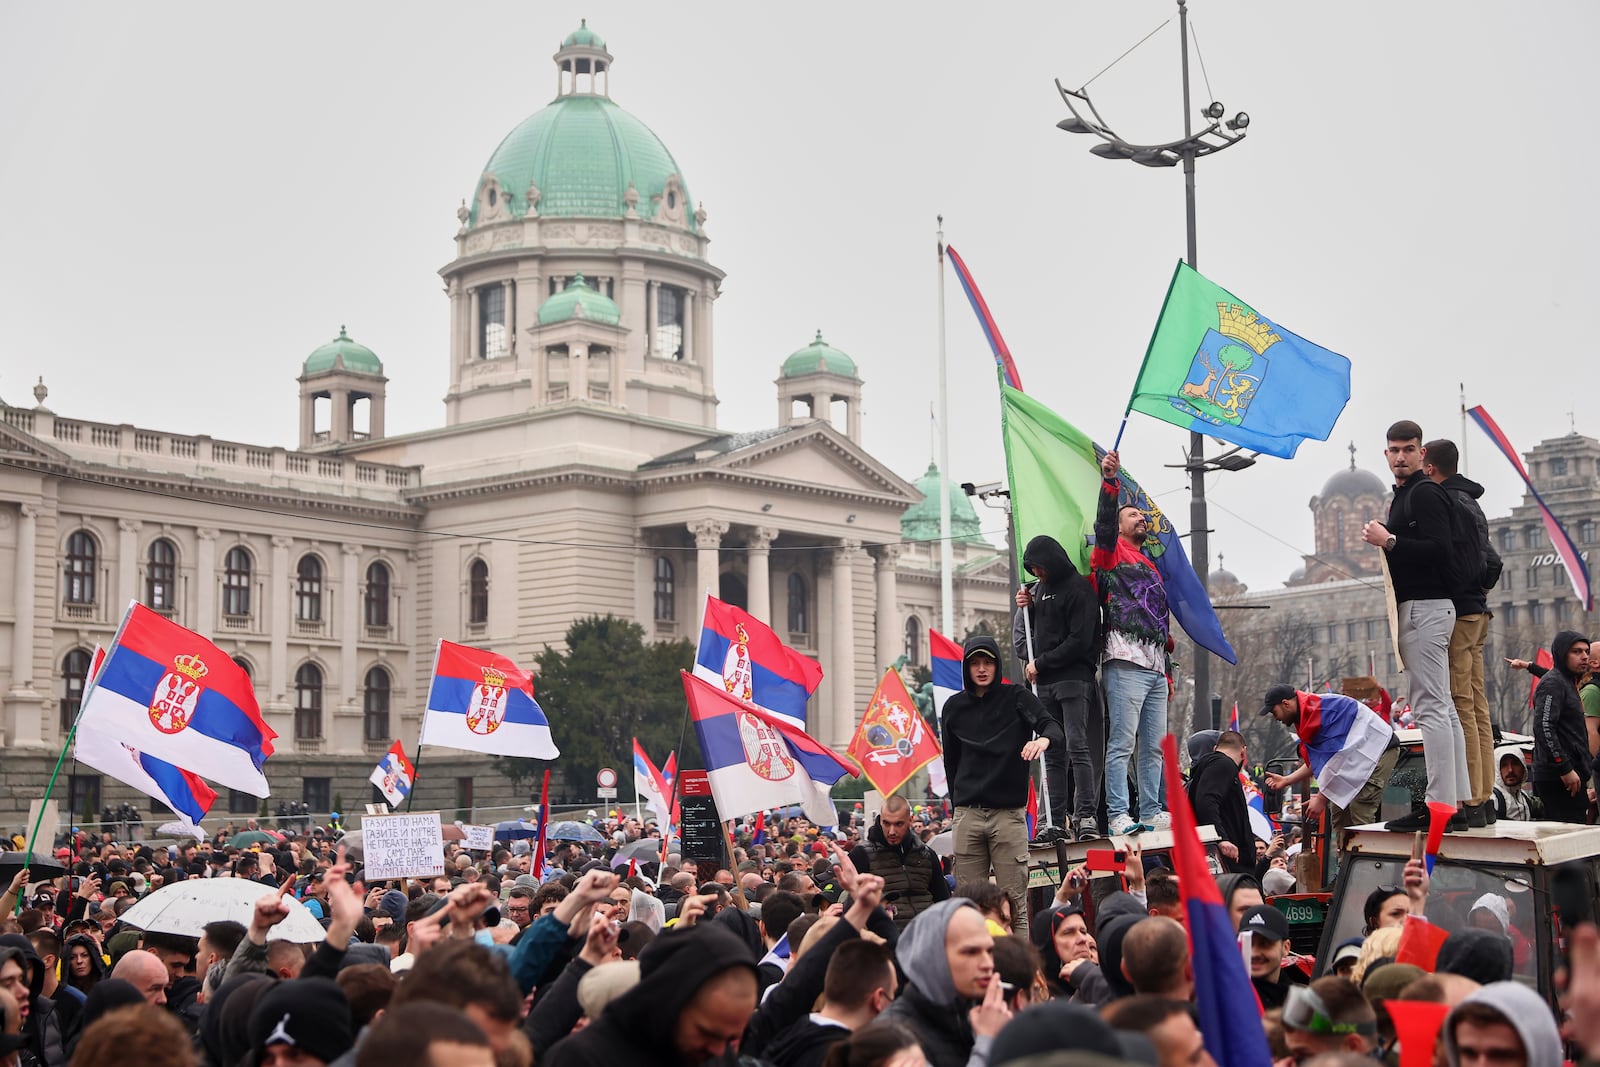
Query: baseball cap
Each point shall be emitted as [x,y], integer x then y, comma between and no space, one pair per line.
[1349,949]
[1275,696]
[1266,922]
[980,651]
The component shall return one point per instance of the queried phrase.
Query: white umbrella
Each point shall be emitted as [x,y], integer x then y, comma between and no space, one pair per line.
[185,908]
[180,829]
[943,844]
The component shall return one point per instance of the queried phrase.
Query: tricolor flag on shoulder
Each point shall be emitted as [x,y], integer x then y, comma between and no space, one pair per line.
[1230,1019]
[741,654]
[482,702]
[168,693]
[650,784]
[1346,740]
[394,776]
[756,760]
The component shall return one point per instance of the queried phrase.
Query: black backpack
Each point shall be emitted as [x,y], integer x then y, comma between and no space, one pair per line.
[1464,565]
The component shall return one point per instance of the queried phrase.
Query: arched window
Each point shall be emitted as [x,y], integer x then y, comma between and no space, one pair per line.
[308,703]
[666,601]
[81,555]
[799,617]
[161,575]
[913,641]
[236,582]
[478,593]
[244,665]
[377,599]
[74,676]
[375,706]
[308,590]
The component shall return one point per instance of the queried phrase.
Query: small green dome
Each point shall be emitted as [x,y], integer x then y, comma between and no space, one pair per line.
[818,357]
[583,36]
[341,353]
[579,300]
[921,520]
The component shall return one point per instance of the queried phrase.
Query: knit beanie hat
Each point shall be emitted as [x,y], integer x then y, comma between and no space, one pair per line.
[312,1014]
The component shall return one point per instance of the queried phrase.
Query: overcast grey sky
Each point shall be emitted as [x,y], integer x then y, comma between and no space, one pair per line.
[197,195]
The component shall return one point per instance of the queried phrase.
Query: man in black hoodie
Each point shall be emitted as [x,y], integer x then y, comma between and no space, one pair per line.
[1440,459]
[1066,620]
[1561,760]
[1218,799]
[989,743]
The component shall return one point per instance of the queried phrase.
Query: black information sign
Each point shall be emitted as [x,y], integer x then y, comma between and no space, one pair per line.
[702,829]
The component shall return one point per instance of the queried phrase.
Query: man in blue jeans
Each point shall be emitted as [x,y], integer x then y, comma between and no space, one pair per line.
[1133,656]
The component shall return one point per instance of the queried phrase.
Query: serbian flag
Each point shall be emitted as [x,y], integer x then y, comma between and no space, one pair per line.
[1230,1015]
[483,702]
[991,329]
[169,693]
[758,836]
[649,783]
[1541,658]
[1233,718]
[756,760]
[1256,804]
[394,775]
[947,682]
[1566,548]
[744,657]
[538,865]
[1033,808]
[892,743]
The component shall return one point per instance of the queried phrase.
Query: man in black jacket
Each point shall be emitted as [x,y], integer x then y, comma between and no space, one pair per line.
[1066,619]
[913,880]
[1218,799]
[1440,460]
[1418,542]
[1561,760]
[989,742]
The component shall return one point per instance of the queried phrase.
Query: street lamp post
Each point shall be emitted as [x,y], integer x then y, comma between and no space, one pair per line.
[1218,134]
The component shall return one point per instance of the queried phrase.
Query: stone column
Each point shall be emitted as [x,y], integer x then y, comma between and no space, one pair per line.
[853,420]
[22,580]
[509,309]
[691,351]
[205,581]
[707,541]
[127,563]
[472,324]
[842,669]
[279,590]
[577,371]
[339,414]
[888,620]
[758,550]
[651,296]
[644,582]
[349,621]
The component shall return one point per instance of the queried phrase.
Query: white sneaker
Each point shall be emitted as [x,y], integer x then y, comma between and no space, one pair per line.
[1162,821]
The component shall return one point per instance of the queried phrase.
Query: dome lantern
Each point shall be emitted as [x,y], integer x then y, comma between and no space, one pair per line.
[814,378]
[583,53]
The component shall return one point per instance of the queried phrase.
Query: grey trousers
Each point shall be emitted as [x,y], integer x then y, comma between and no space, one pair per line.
[1425,628]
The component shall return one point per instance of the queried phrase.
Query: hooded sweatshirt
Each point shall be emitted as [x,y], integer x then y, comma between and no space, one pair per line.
[984,736]
[97,963]
[1066,614]
[929,1005]
[1464,492]
[640,1025]
[1560,737]
[1129,589]
[42,1029]
[1528,1015]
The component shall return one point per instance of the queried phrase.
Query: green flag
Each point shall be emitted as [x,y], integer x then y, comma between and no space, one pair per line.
[1053,473]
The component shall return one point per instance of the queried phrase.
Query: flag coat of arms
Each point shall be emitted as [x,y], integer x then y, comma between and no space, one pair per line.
[1218,367]
[892,741]
[168,693]
[394,775]
[741,654]
[482,702]
[756,761]
[650,784]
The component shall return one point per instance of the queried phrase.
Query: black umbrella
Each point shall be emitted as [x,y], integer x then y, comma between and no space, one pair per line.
[40,866]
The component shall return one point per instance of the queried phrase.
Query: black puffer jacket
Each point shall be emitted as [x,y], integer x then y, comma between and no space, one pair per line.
[1560,736]
[1065,612]
[912,874]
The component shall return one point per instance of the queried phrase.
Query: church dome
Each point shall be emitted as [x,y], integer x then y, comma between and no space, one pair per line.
[819,357]
[341,353]
[921,520]
[579,301]
[584,157]
[1351,483]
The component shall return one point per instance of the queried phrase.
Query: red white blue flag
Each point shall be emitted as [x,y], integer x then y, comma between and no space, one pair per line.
[650,784]
[1233,718]
[758,835]
[1566,548]
[741,654]
[540,869]
[756,760]
[991,329]
[394,776]
[1230,1016]
[169,693]
[947,682]
[483,702]
[1033,808]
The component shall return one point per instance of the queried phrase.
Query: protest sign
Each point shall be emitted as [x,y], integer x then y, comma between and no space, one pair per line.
[479,838]
[402,846]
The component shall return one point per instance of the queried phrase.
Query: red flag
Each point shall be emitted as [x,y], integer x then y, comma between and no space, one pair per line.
[1033,808]
[892,742]
[1439,815]
[758,836]
[544,823]
[1541,658]
[1420,942]
[633,867]
[1416,1024]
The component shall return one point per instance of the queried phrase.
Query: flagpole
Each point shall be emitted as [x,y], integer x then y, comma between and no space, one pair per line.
[1027,633]
[946,581]
[1462,386]
[422,729]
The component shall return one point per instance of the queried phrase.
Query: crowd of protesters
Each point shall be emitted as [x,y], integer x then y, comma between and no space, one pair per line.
[847,946]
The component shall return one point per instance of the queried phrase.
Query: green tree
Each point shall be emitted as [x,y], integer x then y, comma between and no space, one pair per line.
[605,688]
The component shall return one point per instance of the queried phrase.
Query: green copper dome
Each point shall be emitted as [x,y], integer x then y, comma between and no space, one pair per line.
[584,37]
[921,520]
[579,301]
[818,357]
[341,353]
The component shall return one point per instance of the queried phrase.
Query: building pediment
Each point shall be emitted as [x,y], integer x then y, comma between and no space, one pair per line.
[810,454]
[18,443]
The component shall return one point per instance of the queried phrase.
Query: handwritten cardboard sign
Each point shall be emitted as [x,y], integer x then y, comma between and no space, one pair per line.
[479,838]
[402,846]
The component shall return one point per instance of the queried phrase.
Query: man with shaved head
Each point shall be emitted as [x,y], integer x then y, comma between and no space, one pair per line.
[913,880]
[1155,958]
[147,973]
